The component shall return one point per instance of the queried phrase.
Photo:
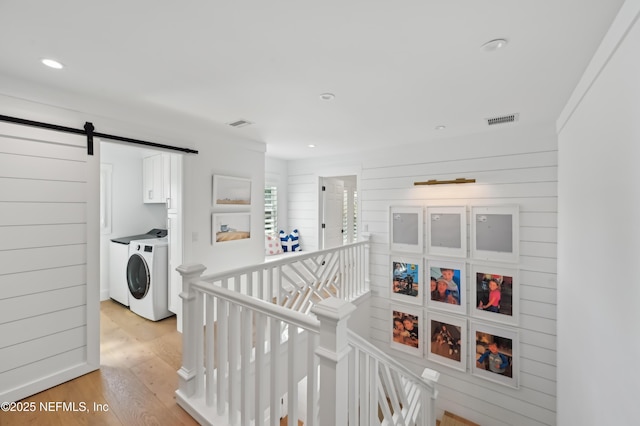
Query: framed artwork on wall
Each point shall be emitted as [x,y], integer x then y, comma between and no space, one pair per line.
[495,353]
[407,279]
[447,340]
[405,325]
[495,233]
[447,285]
[447,231]
[226,227]
[495,293]
[230,191]
[406,231]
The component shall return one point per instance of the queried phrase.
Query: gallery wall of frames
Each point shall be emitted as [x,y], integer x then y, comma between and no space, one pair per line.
[453,277]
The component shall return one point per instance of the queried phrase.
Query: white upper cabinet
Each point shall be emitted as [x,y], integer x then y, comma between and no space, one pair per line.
[153,179]
[161,183]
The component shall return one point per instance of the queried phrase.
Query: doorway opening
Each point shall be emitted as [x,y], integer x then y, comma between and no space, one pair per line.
[338,211]
[141,191]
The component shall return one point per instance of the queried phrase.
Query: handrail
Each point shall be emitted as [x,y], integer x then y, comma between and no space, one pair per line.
[374,351]
[276,311]
[216,276]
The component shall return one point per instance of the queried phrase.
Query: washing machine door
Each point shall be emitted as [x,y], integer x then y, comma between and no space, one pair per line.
[138,276]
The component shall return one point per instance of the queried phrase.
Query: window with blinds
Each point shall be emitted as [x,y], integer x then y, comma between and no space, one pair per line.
[270,209]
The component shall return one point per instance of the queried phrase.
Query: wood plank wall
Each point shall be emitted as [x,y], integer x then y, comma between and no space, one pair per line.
[512,166]
[43,257]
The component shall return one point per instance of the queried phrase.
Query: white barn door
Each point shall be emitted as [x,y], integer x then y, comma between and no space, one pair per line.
[49,259]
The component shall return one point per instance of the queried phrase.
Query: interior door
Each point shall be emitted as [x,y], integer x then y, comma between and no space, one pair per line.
[332,212]
[49,252]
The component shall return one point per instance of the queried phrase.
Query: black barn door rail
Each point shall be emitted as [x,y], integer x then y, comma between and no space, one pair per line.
[90,132]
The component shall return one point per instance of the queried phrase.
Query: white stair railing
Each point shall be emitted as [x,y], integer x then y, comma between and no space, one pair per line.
[302,279]
[383,391]
[253,354]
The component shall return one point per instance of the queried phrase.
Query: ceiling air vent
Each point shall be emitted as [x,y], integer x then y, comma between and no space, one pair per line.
[239,123]
[510,118]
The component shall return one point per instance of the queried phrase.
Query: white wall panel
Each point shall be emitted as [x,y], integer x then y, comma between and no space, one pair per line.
[33,148]
[43,370]
[34,350]
[44,138]
[517,166]
[42,191]
[43,280]
[42,258]
[30,305]
[32,167]
[42,325]
[12,214]
[21,237]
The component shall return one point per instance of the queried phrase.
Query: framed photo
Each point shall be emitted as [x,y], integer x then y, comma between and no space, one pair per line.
[227,227]
[447,285]
[231,191]
[407,279]
[495,294]
[495,354]
[447,340]
[495,233]
[406,231]
[447,231]
[405,325]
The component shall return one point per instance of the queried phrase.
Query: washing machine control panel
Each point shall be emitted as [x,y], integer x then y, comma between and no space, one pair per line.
[145,248]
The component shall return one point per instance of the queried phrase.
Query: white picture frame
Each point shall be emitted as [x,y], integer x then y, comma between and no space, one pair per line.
[406,229]
[402,339]
[407,279]
[446,231]
[495,233]
[507,346]
[446,297]
[230,227]
[506,281]
[230,192]
[447,340]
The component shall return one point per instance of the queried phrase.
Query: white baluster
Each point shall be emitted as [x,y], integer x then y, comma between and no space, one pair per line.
[209,349]
[245,373]
[261,376]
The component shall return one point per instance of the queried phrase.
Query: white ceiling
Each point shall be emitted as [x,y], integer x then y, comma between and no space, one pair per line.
[397,68]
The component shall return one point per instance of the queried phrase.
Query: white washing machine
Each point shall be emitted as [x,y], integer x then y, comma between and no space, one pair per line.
[147,270]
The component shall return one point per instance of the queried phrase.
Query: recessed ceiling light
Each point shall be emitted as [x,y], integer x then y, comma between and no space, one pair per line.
[52,63]
[311,145]
[441,127]
[327,96]
[493,45]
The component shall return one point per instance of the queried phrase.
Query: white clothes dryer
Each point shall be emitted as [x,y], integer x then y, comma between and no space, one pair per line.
[147,272]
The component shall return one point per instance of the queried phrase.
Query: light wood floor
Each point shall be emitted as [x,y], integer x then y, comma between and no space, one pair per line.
[137,380]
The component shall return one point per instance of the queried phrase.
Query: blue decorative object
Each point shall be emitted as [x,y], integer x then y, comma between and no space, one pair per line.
[290,242]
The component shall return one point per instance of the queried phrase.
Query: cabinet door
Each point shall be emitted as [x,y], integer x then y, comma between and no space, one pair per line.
[174,227]
[173,177]
[152,179]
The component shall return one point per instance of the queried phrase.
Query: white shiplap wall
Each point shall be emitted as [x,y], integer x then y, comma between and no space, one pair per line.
[512,165]
[47,193]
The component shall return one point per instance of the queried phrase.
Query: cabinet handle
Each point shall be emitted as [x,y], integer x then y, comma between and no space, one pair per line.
[151,194]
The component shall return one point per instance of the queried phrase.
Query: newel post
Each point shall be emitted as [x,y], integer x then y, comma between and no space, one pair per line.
[191,273]
[429,398]
[333,352]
